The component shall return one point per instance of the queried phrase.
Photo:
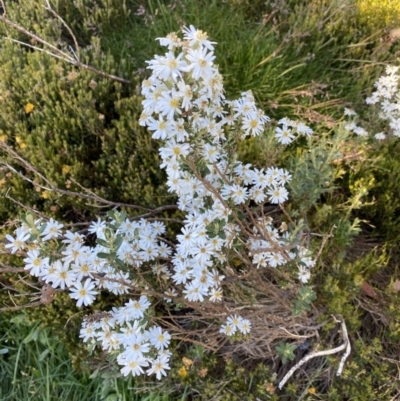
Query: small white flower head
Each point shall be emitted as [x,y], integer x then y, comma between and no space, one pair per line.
[304,274]
[158,338]
[35,263]
[52,230]
[98,228]
[136,309]
[171,41]
[244,326]
[227,329]
[87,331]
[169,295]
[380,136]
[360,131]
[303,129]
[61,275]
[84,294]
[135,346]
[235,323]
[158,366]
[216,295]
[252,124]
[234,320]
[197,38]
[278,195]
[284,135]
[349,112]
[286,121]
[19,242]
[133,366]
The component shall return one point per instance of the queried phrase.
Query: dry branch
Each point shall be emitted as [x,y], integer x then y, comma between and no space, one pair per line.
[345,345]
[55,51]
[53,188]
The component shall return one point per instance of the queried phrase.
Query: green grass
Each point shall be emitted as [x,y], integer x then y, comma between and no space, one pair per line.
[308,60]
[35,366]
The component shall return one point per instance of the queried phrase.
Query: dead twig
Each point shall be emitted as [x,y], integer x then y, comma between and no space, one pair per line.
[49,186]
[55,51]
[346,345]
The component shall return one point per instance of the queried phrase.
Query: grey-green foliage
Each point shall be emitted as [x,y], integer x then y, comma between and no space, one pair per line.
[315,168]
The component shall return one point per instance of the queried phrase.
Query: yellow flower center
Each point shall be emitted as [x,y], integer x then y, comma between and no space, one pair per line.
[172,64]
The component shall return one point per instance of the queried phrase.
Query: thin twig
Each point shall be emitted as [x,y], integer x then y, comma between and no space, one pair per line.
[56,52]
[3,6]
[324,241]
[36,48]
[19,307]
[9,269]
[214,192]
[53,188]
[25,207]
[48,8]
[296,335]
[35,37]
[345,345]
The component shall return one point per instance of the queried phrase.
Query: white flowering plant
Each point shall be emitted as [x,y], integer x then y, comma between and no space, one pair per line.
[231,255]
[386,99]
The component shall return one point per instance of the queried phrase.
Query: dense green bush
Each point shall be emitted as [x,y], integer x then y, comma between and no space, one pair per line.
[304,59]
[80,126]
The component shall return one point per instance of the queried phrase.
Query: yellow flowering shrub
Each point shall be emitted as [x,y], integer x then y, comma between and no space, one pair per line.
[379,14]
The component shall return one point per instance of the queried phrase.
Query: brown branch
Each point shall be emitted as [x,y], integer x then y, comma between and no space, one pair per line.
[47,296]
[324,241]
[213,191]
[10,269]
[345,345]
[33,36]
[158,210]
[19,307]
[26,207]
[53,188]
[56,51]
[3,6]
[186,339]
[67,27]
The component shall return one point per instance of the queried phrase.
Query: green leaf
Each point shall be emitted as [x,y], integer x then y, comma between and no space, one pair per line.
[103,255]
[94,374]
[30,221]
[32,336]
[19,319]
[286,351]
[42,228]
[119,262]
[44,354]
[112,214]
[33,237]
[222,235]
[118,242]
[102,242]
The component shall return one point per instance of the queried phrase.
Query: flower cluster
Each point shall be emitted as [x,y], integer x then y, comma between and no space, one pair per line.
[289,129]
[85,271]
[387,97]
[236,324]
[184,107]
